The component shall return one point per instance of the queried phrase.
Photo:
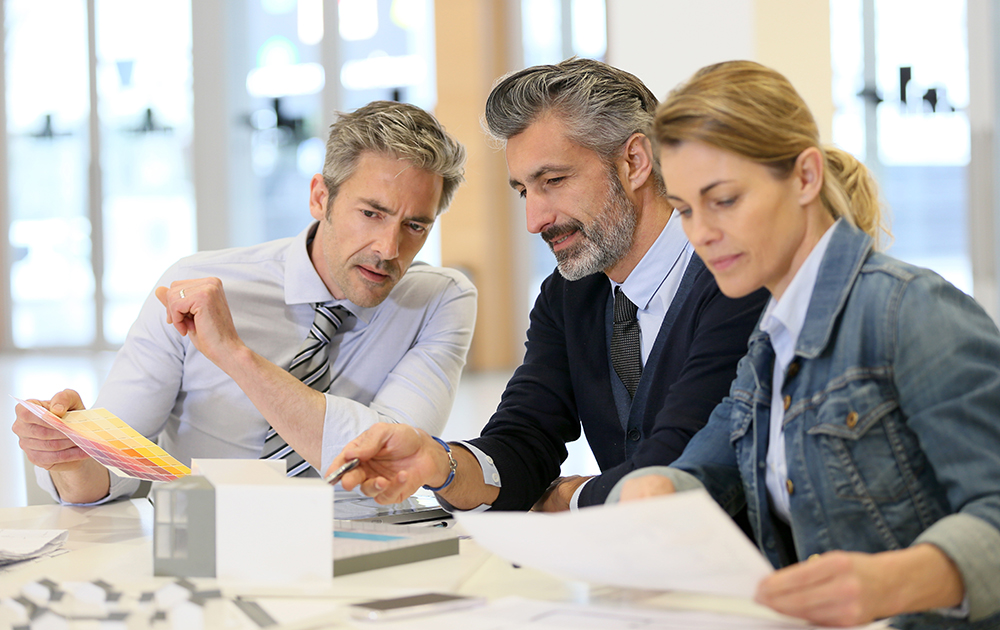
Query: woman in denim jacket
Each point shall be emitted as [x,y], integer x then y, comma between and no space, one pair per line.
[863,428]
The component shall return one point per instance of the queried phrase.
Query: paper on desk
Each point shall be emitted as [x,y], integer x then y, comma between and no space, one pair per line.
[18,545]
[515,613]
[682,542]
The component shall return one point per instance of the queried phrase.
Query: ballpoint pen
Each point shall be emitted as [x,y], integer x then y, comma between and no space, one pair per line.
[337,475]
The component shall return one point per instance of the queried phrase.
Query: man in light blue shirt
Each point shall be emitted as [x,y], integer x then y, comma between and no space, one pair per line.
[208,375]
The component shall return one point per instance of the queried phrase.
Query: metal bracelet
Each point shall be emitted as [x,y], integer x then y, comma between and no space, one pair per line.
[451,464]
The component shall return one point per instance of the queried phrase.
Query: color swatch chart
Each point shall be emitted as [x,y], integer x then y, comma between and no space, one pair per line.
[108,439]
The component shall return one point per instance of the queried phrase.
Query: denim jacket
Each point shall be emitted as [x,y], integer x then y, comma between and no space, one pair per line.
[892,425]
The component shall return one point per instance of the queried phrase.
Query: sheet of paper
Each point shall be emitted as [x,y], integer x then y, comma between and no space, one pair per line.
[682,542]
[515,613]
[17,545]
[108,439]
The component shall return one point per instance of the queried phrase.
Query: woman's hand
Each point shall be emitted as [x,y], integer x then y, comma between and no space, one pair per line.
[841,588]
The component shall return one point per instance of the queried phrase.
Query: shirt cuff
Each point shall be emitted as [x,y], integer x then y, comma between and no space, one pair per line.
[574,503]
[491,477]
[120,486]
[958,612]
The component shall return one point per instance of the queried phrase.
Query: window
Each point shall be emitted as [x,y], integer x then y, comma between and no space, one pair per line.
[902,109]
[85,256]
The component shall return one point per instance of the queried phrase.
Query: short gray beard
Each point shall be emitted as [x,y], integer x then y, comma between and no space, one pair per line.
[605,241]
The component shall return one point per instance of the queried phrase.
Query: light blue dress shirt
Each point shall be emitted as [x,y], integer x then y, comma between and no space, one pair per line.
[397,362]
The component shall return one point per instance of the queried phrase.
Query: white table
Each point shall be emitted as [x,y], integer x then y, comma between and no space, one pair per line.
[114,543]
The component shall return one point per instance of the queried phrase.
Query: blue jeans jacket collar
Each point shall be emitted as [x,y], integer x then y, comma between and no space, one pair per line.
[848,250]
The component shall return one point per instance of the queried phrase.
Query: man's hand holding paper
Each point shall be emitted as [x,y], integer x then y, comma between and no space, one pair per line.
[77,476]
[43,445]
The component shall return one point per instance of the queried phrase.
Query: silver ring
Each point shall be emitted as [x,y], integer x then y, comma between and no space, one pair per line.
[182,294]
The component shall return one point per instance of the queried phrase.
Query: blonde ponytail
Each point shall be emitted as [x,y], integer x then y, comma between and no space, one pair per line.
[850,191]
[753,111]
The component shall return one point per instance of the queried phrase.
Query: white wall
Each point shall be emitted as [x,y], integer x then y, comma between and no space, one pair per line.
[664,41]
[984,195]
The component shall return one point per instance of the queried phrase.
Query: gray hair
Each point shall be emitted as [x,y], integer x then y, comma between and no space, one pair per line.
[600,105]
[399,129]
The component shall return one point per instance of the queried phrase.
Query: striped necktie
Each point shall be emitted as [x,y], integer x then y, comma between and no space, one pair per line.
[625,349]
[311,365]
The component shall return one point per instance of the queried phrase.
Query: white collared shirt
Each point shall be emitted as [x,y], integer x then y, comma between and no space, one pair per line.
[783,321]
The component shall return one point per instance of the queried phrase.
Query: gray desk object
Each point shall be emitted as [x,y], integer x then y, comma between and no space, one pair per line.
[363,546]
[184,528]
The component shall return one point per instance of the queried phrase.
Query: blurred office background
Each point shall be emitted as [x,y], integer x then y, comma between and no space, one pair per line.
[137,132]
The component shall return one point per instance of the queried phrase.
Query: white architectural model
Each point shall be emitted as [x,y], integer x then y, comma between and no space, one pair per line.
[243,520]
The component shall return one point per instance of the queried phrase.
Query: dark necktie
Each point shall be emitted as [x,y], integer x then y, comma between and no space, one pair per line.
[311,365]
[626,353]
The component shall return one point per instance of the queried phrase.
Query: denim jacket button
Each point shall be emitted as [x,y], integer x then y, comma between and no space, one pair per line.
[852,419]
[788,402]
[790,486]
[793,369]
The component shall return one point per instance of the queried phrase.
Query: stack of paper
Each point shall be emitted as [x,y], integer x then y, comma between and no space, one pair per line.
[18,545]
